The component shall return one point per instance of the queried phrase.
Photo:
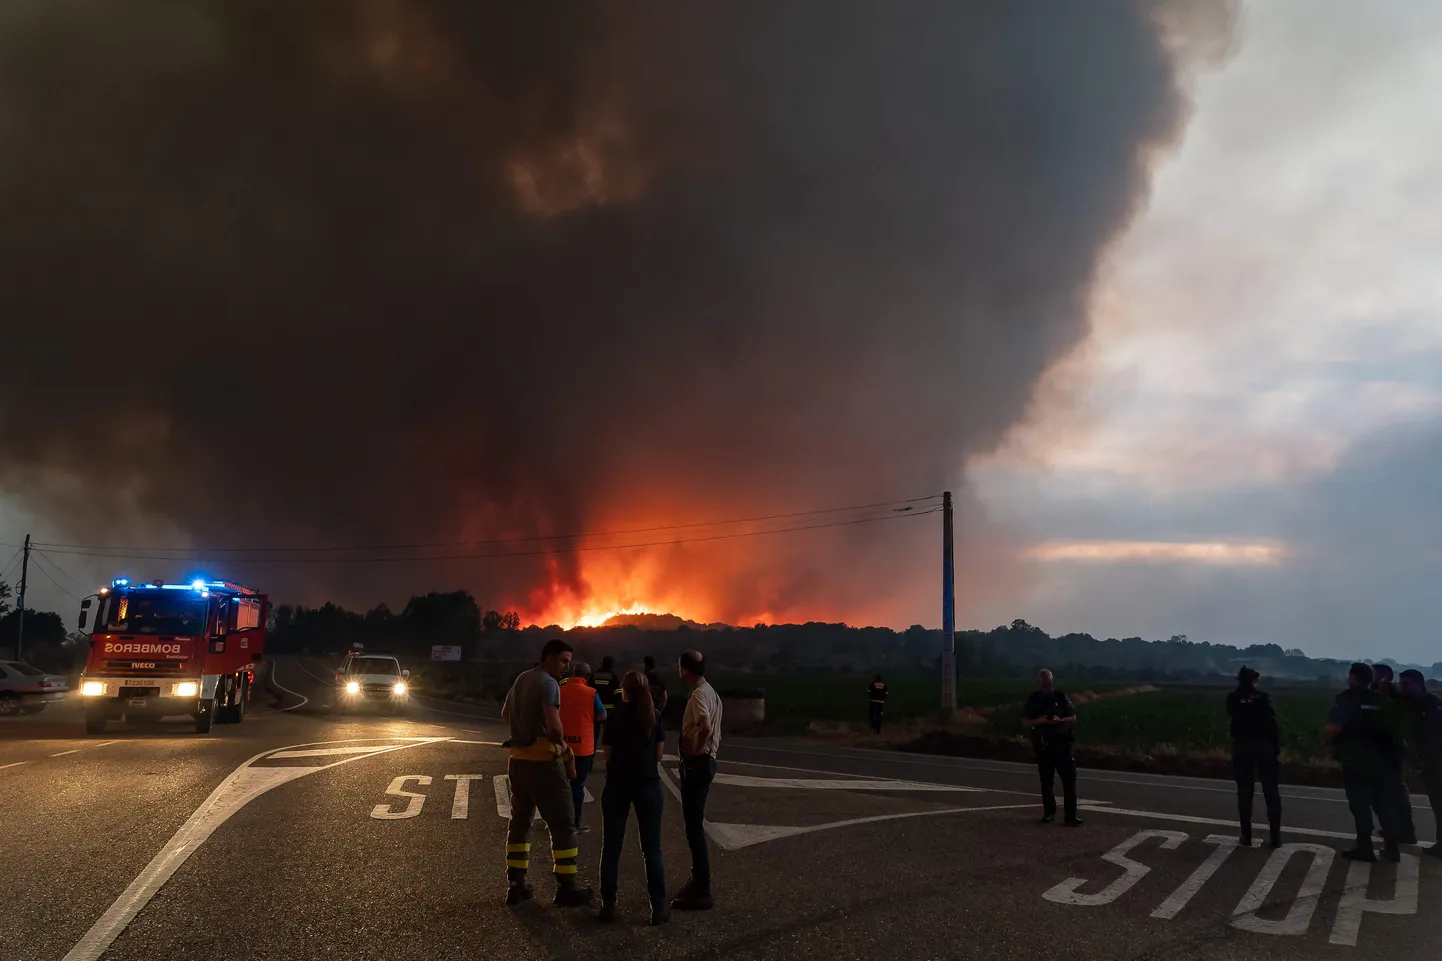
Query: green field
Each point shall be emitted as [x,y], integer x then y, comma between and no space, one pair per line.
[840,697]
[1190,721]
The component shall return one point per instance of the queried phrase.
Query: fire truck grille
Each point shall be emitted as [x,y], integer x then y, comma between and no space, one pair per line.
[131,692]
[138,664]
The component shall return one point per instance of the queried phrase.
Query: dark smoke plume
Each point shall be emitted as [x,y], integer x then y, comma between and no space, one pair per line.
[371,271]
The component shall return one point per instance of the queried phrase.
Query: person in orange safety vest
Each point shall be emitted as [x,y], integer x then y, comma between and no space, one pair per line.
[581,713]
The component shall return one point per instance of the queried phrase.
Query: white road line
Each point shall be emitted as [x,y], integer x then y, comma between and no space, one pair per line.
[839,784]
[1193,819]
[734,836]
[243,785]
[325,752]
[63,753]
[105,743]
[13,764]
[456,740]
[1022,769]
[274,670]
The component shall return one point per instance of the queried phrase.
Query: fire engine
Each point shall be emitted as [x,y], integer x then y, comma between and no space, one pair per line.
[160,649]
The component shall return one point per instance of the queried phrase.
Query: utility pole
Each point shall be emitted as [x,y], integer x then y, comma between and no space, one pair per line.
[20,619]
[948,609]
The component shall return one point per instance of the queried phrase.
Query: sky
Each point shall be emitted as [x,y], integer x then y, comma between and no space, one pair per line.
[1249,445]
[1156,296]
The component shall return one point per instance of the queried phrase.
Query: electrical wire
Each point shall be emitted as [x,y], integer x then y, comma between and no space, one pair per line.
[41,568]
[105,550]
[56,567]
[896,514]
[10,564]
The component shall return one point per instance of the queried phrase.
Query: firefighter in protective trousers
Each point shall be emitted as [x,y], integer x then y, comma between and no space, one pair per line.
[541,768]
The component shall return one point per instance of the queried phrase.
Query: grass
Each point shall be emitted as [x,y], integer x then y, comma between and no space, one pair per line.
[842,697]
[1189,721]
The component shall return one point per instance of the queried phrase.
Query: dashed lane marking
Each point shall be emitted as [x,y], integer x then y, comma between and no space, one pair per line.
[63,753]
[13,764]
[243,785]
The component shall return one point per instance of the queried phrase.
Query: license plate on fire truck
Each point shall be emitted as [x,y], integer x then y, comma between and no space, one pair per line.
[138,682]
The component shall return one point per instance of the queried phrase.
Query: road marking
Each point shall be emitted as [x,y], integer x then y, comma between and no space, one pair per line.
[105,743]
[1299,917]
[1021,769]
[327,752]
[1173,905]
[502,787]
[1066,892]
[461,805]
[457,740]
[856,784]
[13,764]
[414,799]
[1192,819]
[241,786]
[731,837]
[275,670]
[1355,901]
[63,753]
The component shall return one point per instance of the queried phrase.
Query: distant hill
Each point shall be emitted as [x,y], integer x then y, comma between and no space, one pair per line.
[659,622]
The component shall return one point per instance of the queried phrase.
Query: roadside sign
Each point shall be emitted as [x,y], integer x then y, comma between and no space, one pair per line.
[445,652]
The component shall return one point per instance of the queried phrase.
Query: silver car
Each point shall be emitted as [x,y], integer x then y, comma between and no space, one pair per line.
[374,680]
[25,689]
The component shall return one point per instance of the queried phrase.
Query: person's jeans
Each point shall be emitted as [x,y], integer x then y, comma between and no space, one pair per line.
[697,773]
[876,710]
[578,786]
[1432,780]
[616,803]
[1053,759]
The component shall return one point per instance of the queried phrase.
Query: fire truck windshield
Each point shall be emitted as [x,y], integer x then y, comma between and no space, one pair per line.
[154,612]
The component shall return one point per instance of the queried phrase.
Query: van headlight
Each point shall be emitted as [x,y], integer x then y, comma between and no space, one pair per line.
[187,689]
[352,687]
[92,689]
[400,687]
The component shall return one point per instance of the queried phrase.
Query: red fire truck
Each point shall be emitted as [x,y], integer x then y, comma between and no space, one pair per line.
[160,649]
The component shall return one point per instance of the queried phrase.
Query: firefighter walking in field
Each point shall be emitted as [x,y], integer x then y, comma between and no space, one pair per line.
[582,714]
[1256,746]
[540,777]
[876,694]
[1050,716]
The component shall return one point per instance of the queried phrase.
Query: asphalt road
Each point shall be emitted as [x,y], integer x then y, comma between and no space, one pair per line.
[302,833]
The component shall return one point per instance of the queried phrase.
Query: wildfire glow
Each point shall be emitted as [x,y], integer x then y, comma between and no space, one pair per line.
[595,618]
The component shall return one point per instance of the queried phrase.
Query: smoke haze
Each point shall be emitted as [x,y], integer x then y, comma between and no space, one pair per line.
[382,272]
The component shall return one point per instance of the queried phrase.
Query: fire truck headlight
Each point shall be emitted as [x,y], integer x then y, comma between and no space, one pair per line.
[400,687]
[187,689]
[352,687]
[92,689]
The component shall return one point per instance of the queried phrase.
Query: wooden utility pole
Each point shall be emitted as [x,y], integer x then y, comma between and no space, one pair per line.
[948,608]
[20,619]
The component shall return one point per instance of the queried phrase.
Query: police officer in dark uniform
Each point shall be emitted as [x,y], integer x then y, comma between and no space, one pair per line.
[606,684]
[876,697]
[1425,738]
[1049,715]
[1383,682]
[1256,744]
[1359,729]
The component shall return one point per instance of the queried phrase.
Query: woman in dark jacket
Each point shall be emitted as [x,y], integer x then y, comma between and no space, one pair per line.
[633,743]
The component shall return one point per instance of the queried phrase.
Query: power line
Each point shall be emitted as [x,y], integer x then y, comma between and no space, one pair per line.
[10,564]
[41,568]
[147,552]
[891,516]
[54,566]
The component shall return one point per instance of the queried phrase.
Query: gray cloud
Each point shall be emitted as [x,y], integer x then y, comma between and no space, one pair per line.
[382,271]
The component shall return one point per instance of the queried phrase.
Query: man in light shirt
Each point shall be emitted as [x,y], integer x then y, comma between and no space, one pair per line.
[700,738]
